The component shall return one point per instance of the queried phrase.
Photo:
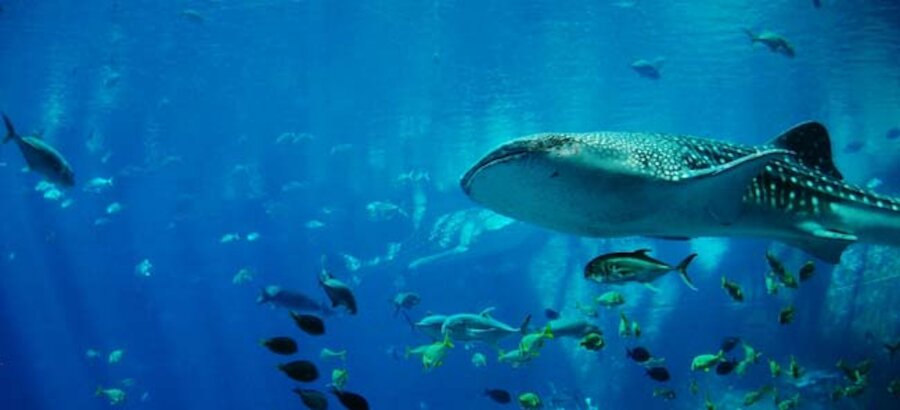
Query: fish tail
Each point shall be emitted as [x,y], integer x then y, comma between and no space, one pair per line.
[524,328]
[263,297]
[750,34]
[682,270]
[10,130]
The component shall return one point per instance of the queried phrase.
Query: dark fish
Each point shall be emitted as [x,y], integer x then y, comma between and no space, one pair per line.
[854,147]
[498,395]
[338,292]
[300,370]
[276,296]
[893,133]
[726,367]
[638,354]
[786,315]
[281,345]
[807,271]
[310,324]
[729,343]
[351,401]
[660,374]
[892,349]
[41,157]
[551,314]
[817,4]
[312,399]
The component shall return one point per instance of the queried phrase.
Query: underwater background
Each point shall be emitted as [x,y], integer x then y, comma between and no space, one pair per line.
[245,140]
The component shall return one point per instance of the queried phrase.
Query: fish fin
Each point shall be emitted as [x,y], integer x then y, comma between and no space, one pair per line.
[827,245]
[10,130]
[812,146]
[724,185]
[682,271]
[651,287]
[750,34]
[524,328]
[412,324]
[487,312]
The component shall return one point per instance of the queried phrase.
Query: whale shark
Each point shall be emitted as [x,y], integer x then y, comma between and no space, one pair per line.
[616,184]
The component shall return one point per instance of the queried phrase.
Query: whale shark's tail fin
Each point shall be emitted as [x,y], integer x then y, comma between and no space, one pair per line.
[524,328]
[682,271]
[10,130]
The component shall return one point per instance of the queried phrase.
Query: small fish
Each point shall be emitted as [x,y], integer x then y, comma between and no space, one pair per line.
[725,367]
[637,266]
[666,393]
[729,343]
[300,370]
[193,16]
[892,348]
[253,236]
[733,289]
[772,285]
[113,208]
[405,301]
[98,185]
[774,368]
[351,401]
[328,354]
[479,360]
[498,395]
[230,237]
[610,299]
[587,310]
[312,399]
[817,3]
[144,268]
[648,69]
[41,157]
[338,292]
[794,369]
[786,315]
[339,378]
[694,388]
[281,345]
[115,356]
[311,325]
[659,373]
[775,42]
[893,133]
[592,341]
[807,271]
[755,396]
[551,314]
[705,362]
[530,400]
[638,354]
[894,388]
[115,396]
[780,272]
[853,147]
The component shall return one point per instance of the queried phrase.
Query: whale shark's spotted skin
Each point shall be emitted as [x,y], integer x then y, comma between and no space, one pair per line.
[621,184]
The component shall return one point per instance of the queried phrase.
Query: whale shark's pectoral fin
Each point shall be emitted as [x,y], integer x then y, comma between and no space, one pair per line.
[724,186]
[823,243]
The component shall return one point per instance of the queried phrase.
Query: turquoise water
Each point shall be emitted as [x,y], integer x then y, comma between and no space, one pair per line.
[342,128]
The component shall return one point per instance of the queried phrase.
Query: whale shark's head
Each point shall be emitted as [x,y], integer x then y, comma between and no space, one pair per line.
[547,179]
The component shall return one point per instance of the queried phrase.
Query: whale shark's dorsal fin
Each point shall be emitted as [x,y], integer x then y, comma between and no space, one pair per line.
[812,145]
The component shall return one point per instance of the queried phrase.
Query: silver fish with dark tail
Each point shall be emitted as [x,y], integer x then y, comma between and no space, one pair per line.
[616,184]
[637,266]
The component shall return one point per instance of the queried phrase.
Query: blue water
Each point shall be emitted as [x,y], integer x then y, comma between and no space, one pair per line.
[288,118]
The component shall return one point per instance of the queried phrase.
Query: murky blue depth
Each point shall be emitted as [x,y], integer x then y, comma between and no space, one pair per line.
[220,147]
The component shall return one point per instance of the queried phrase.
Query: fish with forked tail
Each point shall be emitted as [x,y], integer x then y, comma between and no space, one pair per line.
[40,156]
[637,266]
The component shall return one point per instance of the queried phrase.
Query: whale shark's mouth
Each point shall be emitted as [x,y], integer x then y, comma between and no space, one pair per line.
[503,154]
[512,151]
